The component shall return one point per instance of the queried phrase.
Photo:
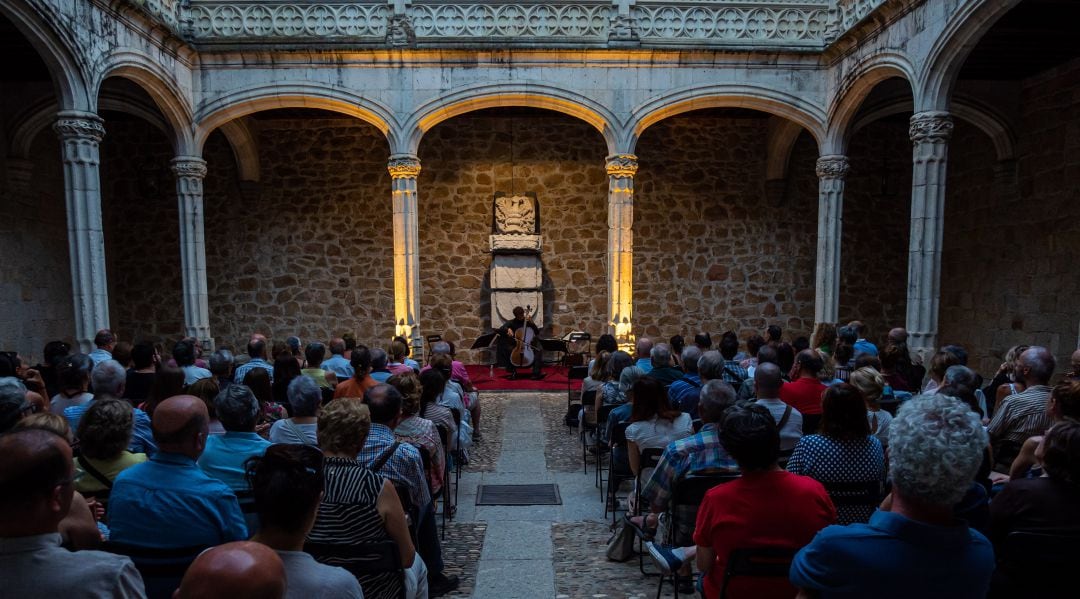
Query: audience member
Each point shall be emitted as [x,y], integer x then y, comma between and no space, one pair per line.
[643,354]
[259,382]
[104,435]
[805,389]
[338,363]
[733,374]
[224,455]
[824,338]
[207,390]
[892,359]
[238,570]
[915,548]
[703,341]
[684,392]
[789,421]
[314,354]
[871,385]
[168,502]
[1024,414]
[109,379]
[53,354]
[862,345]
[305,398]
[844,452]
[221,365]
[753,346]
[417,430]
[610,392]
[36,475]
[596,373]
[399,351]
[939,363]
[766,354]
[287,485]
[256,350]
[13,403]
[73,381]
[286,369]
[1005,382]
[627,379]
[168,382]
[678,344]
[653,423]
[766,506]
[359,505]
[663,370]
[361,380]
[380,370]
[432,385]
[402,464]
[184,354]
[140,377]
[104,342]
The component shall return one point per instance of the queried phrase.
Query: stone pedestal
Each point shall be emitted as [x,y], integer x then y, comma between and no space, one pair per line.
[516,277]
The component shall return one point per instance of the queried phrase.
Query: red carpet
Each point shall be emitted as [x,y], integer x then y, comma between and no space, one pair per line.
[554,379]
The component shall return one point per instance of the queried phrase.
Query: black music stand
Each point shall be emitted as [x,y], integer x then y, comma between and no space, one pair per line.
[553,345]
[432,340]
[576,338]
[484,342]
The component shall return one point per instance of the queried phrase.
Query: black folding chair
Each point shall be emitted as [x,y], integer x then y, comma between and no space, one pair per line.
[616,472]
[447,509]
[686,497]
[757,562]
[161,569]
[576,373]
[600,447]
[588,400]
[362,560]
[1036,564]
[458,454]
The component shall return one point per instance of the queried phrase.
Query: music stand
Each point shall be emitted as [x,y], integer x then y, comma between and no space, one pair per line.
[432,340]
[553,345]
[577,337]
[484,342]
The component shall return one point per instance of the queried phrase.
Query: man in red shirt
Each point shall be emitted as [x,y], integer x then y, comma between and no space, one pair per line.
[765,507]
[804,391]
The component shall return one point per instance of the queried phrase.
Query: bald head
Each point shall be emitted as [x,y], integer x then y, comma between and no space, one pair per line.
[898,335]
[1037,365]
[644,347]
[240,570]
[767,381]
[36,475]
[180,424]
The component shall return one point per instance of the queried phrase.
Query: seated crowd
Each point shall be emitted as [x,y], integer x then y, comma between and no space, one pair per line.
[280,465]
[839,456]
[273,472]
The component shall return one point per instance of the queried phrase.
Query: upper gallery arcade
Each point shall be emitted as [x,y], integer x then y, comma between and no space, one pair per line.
[710,164]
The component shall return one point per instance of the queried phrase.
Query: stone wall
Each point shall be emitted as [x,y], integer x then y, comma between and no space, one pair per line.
[309,252]
[141,220]
[35,276]
[709,252]
[465,161]
[1012,244]
[877,227]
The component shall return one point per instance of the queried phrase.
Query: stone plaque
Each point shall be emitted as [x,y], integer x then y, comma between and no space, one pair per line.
[516,243]
[515,272]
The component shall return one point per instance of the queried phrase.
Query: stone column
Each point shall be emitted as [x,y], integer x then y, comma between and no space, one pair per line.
[620,253]
[930,132]
[190,171]
[404,168]
[831,171]
[80,133]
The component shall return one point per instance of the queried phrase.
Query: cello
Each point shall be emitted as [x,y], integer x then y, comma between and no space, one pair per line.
[522,354]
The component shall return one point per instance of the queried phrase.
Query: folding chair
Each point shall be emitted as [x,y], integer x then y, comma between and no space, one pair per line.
[458,455]
[1036,564]
[362,560]
[161,569]
[601,447]
[588,400]
[447,509]
[576,373]
[686,497]
[758,562]
[855,494]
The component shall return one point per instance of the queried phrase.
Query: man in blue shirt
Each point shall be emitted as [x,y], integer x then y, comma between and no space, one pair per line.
[104,341]
[643,357]
[337,363]
[168,502]
[109,379]
[257,350]
[913,546]
[238,411]
[184,354]
[683,393]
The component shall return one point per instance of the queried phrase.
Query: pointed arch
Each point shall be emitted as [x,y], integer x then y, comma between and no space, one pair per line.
[853,90]
[158,84]
[42,27]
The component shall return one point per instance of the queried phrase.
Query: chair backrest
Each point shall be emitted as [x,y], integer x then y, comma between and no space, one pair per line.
[650,457]
[588,398]
[602,415]
[246,498]
[161,569]
[618,434]
[365,558]
[690,490]
[869,492]
[759,562]
[578,373]
[1023,548]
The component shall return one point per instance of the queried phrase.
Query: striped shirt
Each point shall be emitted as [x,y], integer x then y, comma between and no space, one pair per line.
[241,371]
[1021,416]
[348,514]
[405,467]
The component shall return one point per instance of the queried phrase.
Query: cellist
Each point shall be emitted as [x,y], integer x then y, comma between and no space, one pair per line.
[506,331]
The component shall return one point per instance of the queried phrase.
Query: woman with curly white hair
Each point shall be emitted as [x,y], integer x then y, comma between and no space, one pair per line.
[913,546]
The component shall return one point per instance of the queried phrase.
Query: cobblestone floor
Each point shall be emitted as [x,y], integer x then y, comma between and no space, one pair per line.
[485,452]
[583,572]
[562,446]
[461,553]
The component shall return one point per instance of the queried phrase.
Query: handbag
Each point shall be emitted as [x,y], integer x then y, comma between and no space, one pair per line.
[620,547]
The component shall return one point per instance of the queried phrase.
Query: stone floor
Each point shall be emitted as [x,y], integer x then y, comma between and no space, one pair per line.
[535,551]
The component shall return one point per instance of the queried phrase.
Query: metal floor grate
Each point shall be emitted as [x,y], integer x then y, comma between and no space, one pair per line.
[518,495]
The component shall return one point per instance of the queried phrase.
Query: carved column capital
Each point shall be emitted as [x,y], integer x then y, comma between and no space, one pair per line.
[403,166]
[188,166]
[622,166]
[79,125]
[833,166]
[932,127]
